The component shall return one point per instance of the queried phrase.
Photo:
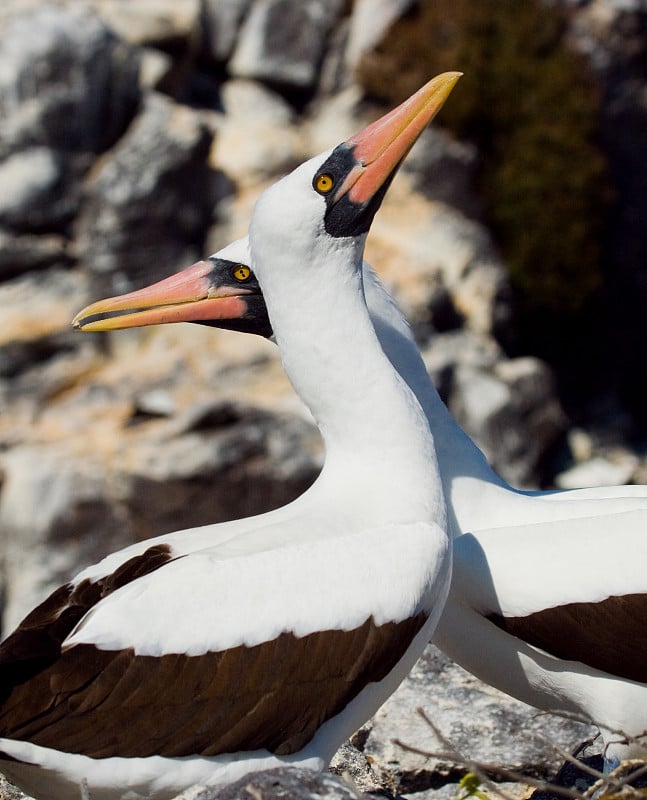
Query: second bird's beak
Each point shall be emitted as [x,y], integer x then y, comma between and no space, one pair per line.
[187,296]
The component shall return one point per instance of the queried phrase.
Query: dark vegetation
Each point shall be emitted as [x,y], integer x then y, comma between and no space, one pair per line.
[531,106]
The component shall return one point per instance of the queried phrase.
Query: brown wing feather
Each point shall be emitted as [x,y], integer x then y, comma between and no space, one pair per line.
[274,695]
[606,635]
[36,642]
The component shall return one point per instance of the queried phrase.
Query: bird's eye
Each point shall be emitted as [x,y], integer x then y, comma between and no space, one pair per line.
[242,273]
[323,183]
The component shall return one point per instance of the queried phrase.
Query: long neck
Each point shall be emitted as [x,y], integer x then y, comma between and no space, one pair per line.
[376,436]
[458,456]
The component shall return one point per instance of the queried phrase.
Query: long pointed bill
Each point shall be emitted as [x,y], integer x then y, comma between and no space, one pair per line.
[381,146]
[188,296]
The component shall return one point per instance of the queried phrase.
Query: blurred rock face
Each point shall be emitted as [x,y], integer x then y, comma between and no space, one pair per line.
[134,139]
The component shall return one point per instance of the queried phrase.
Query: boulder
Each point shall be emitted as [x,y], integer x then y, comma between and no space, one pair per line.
[221,21]
[66,81]
[370,20]
[56,516]
[283,783]
[41,189]
[513,414]
[218,461]
[150,200]
[418,244]
[20,253]
[444,169]
[471,718]
[282,42]
[599,471]
[164,23]
[256,137]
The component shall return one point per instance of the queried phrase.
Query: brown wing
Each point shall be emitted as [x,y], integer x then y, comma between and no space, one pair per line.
[36,642]
[607,635]
[273,695]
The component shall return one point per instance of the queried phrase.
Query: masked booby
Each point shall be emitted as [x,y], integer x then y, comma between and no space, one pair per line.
[199,656]
[548,588]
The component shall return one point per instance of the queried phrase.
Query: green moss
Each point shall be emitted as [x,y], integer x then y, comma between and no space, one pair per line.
[529,104]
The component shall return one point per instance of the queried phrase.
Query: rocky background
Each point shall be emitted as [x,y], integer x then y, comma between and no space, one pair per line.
[135,136]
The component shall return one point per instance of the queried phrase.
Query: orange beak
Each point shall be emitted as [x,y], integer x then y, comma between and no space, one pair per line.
[381,146]
[188,296]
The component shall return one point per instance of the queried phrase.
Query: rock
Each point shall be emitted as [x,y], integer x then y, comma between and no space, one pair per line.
[221,20]
[513,414]
[56,516]
[41,189]
[417,245]
[443,169]
[66,81]
[351,764]
[225,462]
[156,70]
[479,722]
[334,75]
[19,253]
[333,120]
[284,783]
[250,101]
[150,201]
[40,355]
[164,23]
[39,304]
[256,139]
[8,791]
[599,471]
[370,20]
[283,42]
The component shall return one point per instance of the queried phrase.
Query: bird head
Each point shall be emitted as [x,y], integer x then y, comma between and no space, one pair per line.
[332,197]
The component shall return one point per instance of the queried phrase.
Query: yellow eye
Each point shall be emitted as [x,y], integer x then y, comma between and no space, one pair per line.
[324,183]
[242,273]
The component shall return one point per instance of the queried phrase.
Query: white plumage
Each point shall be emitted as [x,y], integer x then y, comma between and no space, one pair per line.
[201,655]
[554,558]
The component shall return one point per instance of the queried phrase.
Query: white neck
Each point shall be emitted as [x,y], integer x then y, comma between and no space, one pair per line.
[375,434]
[459,458]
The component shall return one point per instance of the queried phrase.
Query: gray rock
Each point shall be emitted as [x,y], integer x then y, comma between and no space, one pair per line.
[477,721]
[221,21]
[283,41]
[256,138]
[217,462]
[156,70]
[150,201]
[443,169]
[22,252]
[41,189]
[370,20]
[513,414]
[164,23]
[252,102]
[66,81]
[599,471]
[510,407]
[284,783]
[35,309]
[8,791]
[56,516]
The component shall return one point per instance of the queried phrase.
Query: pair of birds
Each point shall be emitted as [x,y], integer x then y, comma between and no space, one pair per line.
[204,654]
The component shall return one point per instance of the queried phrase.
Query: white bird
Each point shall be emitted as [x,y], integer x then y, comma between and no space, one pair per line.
[549,589]
[204,654]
